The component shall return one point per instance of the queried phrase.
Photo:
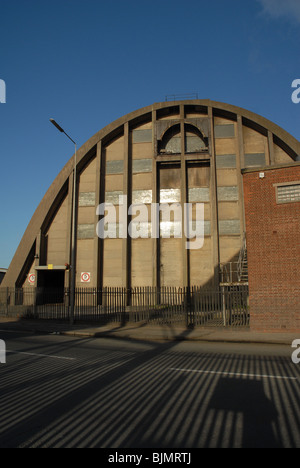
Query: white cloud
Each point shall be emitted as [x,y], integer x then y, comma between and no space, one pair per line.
[289,9]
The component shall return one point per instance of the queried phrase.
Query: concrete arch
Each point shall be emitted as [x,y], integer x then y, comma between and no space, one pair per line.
[191,124]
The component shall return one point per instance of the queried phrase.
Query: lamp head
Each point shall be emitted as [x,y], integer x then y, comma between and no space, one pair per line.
[57,126]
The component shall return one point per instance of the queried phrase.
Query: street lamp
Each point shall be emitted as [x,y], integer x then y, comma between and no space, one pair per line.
[73,246]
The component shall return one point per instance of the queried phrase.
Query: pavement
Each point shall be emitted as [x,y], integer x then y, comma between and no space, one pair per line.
[146,332]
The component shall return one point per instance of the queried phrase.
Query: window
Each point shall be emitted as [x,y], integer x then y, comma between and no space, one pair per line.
[142,136]
[226,161]
[288,193]
[224,131]
[171,142]
[255,160]
[194,140]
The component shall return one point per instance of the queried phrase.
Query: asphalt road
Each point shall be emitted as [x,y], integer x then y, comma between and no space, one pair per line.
[59,391]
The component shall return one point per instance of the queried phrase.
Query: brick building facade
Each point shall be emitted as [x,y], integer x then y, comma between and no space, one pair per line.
[272,211]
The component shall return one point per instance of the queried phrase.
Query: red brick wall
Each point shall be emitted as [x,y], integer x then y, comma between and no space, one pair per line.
[273,243]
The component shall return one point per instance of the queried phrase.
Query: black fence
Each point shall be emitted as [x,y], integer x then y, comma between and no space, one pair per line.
[193,306]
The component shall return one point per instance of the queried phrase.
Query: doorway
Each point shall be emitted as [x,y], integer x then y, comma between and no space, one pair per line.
[51,284]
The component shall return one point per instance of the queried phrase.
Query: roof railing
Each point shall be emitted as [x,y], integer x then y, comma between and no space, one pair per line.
[181,97]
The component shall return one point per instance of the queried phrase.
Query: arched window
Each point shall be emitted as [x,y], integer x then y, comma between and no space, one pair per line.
[171,141]
[194,141]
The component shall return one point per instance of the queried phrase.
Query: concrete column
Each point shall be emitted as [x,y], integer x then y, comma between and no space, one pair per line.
[214,200]
[97,273]
[155,242]
[241,141]
[239,166]
[185,252]
[38,250]
[38,253]
[126,246]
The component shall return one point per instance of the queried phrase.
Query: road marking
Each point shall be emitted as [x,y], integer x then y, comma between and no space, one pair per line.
[236,374]
[43,355]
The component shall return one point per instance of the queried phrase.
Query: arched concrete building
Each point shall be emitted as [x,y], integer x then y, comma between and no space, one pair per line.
[170,152]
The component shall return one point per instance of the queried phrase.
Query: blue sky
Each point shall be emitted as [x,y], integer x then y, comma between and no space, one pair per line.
[88,62]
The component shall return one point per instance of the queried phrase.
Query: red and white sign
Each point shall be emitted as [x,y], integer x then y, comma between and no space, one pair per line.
[31,278]
[85,277]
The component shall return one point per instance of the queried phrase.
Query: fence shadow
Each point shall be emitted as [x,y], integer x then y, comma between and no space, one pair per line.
[140,396]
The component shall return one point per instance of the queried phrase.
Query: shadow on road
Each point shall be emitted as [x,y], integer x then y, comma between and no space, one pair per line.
[122,394]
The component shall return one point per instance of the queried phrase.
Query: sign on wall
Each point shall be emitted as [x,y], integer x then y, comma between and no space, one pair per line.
[31,278]
[85,277]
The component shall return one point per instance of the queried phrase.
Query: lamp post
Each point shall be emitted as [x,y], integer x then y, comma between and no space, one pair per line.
[73,235]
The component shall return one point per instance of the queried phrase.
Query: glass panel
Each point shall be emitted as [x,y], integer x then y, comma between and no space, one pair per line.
[86,231]
[288,193]
[173,145]
[228,194]
[114,167]
[140,229]
[87,199]
[229,227]
[196,226]
[194,144]
[170,229]
[141,165]
[170,195]
[226,161]
[255,159]
[171,142]
[224,131]
[142,136]
[113,197]
[142,196]
[113,230]
[198,195]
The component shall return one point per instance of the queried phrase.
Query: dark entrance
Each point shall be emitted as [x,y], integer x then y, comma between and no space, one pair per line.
[51,285]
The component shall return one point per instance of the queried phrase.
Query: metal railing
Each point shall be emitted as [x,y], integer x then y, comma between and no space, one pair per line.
[242,266]
[229,273]
[235,272]
[181,97]
[191,306]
